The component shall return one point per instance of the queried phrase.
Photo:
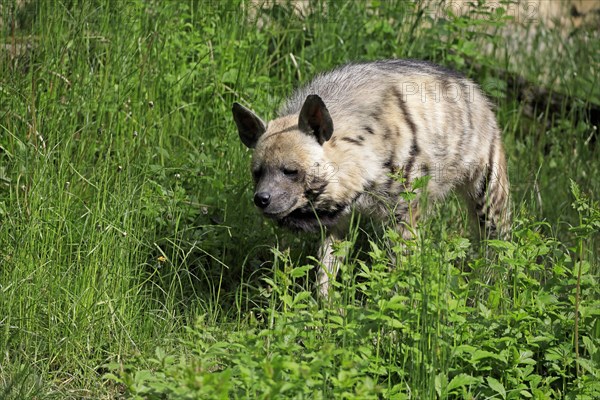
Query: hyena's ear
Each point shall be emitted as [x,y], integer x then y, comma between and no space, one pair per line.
[314,118]
[249,125]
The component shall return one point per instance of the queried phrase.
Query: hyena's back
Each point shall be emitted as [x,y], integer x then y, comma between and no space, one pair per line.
[413,118]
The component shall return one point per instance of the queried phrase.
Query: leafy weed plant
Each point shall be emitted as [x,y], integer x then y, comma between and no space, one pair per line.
[133,264]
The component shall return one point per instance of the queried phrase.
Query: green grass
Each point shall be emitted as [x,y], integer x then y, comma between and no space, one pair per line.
[133,263]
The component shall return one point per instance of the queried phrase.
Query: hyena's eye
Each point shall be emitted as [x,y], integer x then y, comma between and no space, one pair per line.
[290,172]
[257,173]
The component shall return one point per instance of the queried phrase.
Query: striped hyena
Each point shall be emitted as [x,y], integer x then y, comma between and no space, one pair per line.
[340,143]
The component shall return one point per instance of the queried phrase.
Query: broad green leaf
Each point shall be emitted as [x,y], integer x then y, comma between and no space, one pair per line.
[497,386]
[483,354]
[441,384]
[589,345]
[462,380]
[300,271]
[300,297]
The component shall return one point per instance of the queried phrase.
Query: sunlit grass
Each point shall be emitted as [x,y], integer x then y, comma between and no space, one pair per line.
[126,220]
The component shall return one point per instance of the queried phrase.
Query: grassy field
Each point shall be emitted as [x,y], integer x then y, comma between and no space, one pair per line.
[134,265]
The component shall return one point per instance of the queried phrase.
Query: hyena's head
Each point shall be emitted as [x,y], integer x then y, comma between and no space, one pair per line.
[287,155]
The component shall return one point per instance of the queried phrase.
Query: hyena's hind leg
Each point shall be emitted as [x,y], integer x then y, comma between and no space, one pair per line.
[407,216]
[488,196]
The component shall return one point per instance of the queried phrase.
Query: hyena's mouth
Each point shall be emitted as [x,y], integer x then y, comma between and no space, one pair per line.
[280,214]
[311,220]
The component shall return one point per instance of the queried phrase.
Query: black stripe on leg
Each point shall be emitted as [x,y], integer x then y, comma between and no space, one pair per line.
[487,179]
[412,155]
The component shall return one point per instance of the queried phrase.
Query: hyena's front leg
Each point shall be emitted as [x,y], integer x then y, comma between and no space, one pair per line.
[330,265]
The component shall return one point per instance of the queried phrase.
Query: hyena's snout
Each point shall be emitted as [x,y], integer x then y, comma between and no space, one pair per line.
[274,201]
[262,199]
[273,204]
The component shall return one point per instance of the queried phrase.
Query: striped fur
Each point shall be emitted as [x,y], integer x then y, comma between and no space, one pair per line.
[339,143]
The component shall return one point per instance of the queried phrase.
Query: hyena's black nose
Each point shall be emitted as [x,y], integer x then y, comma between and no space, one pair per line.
[262,199]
